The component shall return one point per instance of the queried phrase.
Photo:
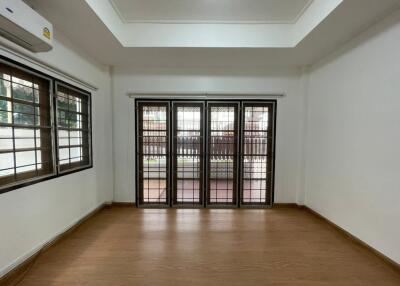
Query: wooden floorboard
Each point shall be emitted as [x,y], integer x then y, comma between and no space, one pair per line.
[283,246]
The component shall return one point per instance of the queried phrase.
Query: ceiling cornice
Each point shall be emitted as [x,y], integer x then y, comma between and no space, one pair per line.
[184,22]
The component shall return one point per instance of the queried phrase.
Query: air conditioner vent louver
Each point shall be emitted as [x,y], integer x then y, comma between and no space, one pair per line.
[15,39]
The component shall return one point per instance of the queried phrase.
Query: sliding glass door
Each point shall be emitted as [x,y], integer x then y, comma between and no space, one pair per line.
[204,153]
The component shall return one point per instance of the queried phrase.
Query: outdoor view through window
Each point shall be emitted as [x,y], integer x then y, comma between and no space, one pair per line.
[205,153]
[40,137]
[25,128]
[73,127]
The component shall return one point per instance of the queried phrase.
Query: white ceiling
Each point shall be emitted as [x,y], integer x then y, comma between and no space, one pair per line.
[88,32]
[210,11]
[246,32]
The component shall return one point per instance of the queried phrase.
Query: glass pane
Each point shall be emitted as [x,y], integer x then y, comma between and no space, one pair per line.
[63,153]
[5,105]
[188,117]
[256,118]
[22,92]
[7,163]
[6,144]
[75,154]
[188,174]
[188,142]
[62,100]
[24,132]
[154,118]
[5,86]
[5,117]
[154,166]
[25,143]
[154,142]
[5,132]
[155,178]
[155,190]
[23,108]
[24,119]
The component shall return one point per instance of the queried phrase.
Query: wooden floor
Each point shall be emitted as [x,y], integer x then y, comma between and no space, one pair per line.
[284,246]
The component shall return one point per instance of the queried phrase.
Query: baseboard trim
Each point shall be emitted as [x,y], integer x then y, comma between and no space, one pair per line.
[285,205]
[132,204]
[390,262]
[15,275]
[122,204]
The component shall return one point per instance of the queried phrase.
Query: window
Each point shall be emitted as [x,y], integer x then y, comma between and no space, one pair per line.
[28,149]
[204,153]
[73,128]
[25,126]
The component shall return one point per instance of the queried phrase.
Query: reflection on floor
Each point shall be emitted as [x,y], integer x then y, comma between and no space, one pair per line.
[221,191]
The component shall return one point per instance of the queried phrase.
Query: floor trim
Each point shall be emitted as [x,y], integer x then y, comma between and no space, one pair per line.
[393,264]
[122,204]
[15,275]
[132,204]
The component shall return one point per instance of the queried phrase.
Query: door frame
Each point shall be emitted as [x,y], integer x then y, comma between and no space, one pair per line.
[235,204]
[138,162]
[223,99]
[202,156]
[271,146]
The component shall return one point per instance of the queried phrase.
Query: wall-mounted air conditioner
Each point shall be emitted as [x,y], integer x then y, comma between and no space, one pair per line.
[23,25]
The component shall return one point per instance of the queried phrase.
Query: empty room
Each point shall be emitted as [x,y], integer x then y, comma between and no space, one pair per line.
[199,142]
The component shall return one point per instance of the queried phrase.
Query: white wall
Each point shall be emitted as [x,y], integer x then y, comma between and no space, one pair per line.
[289,116]
[32,215]
[353,154]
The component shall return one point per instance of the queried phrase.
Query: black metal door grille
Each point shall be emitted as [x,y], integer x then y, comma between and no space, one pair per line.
[188,153]
[256,159]
[210,160]
[153,153]
[222,156]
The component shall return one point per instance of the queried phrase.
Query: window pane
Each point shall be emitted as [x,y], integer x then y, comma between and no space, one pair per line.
[64,154]
[25,158]
[23,108]
[5,105]
[22,92]
[5,86]
[24,143]
[24,119]
[5,117]
[73,135]
[7,162]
